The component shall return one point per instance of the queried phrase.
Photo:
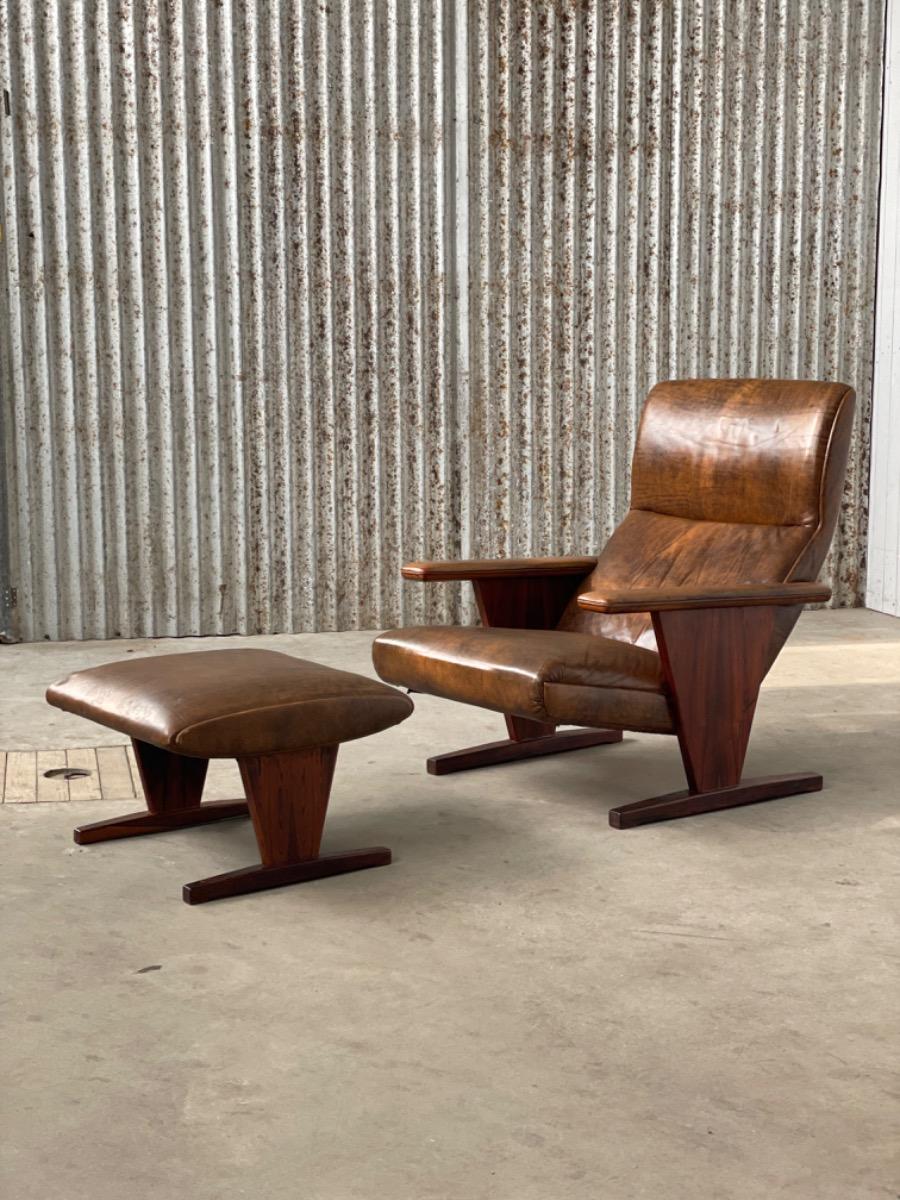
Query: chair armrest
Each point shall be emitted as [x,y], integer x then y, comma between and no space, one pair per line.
[667,599]
[497,568]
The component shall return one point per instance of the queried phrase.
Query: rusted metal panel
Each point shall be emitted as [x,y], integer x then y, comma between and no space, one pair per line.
[292,292]
[688,188]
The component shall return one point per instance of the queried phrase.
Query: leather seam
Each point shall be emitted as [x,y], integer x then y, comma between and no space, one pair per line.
[246,712]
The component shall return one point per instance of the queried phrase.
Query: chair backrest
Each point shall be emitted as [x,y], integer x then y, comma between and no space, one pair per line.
[733,481]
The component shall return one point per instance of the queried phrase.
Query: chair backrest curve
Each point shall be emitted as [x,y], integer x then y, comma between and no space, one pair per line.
[733,481]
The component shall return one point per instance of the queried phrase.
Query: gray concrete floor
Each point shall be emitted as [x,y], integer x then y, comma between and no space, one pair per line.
[528,1005]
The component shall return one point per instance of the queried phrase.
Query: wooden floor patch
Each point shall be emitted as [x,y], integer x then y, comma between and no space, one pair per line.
[111,775]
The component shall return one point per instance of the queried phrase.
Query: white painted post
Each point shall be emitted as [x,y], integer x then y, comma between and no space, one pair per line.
[883,578]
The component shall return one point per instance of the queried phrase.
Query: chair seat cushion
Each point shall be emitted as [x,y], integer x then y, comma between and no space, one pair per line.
[547,675]
[228,703]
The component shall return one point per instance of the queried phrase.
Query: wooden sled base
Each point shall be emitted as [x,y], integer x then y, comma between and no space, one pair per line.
[260,878]
[689,804]
[510,750]
[141,823]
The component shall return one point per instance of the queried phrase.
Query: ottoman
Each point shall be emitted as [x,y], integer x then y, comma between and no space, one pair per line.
[281,717]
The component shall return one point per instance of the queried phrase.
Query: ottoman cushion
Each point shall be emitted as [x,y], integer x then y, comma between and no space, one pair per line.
[228,703]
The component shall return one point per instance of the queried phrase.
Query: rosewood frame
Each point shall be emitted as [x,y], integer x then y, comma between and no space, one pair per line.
[287,799]
[716,645]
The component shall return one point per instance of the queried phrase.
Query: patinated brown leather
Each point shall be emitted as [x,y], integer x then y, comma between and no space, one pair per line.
[226,703]
[509,670]
[734,482]
[792,437]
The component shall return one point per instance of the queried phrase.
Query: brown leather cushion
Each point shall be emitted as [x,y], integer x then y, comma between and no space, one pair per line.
[751,451]
[514,670]
[225,703]
[650,550]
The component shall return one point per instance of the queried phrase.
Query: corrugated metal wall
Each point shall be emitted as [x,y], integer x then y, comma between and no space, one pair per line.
[295,291]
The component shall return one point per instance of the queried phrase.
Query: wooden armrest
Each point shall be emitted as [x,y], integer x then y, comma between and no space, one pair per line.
[497,568]
[666,599]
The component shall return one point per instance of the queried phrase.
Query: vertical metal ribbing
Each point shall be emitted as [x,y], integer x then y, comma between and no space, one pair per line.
[279,524]
[117,565]
[301,445]
[774,247]
[393,600]
[36,448]
[13,320]
[179,282]
[676,118]
[373,565]
[714,333]
[87,397]
[459,286]
[436,401]
[344,316]
[61,418]
[523,446]
[479,272]
[211,430]
[272,328]
[609,54]
[502,486]
[629,284]
[227,184]
[564,290]
[585,531]
[320,228]
[412,466]
[541,230]
[254,319]
[160,528]
[651,363]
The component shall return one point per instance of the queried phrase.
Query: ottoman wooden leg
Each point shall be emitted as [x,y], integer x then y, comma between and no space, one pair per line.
[173,785]
[288,797]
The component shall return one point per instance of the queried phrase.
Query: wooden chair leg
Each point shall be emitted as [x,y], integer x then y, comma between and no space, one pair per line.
[288,798]
[714,662]
[173,786]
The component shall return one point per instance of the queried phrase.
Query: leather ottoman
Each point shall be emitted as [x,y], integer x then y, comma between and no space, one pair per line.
[281,717]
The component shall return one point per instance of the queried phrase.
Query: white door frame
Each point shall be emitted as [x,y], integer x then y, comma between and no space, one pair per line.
[883,576]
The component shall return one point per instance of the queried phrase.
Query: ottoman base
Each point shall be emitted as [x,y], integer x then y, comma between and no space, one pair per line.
[287,798]
[140,823]
[260,879]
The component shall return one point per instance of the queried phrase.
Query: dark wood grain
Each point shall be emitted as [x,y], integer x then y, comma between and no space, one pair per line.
[713,663]
[669,599]
[521,729]
[690,804]
[139,823]
[442,571]
[536,603]
[492,753]
[288,798]
[259,879]
[171,781]
[173,788]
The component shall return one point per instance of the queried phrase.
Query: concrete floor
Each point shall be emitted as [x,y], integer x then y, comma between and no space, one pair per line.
[527,1005]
